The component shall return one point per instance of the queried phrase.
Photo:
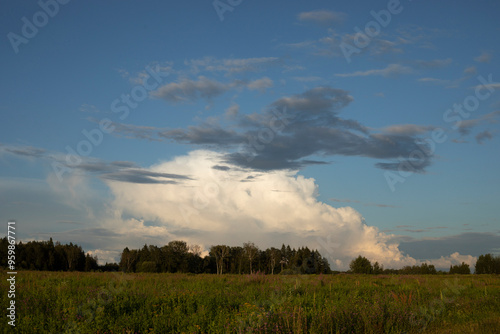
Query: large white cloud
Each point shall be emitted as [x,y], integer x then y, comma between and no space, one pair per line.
[226,204]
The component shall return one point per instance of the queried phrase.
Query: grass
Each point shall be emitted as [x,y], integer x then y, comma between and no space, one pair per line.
[57,302]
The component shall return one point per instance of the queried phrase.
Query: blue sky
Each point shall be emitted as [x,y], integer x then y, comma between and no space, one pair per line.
[356,128]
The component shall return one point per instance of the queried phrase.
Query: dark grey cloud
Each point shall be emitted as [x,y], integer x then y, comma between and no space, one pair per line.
[205,134]
[135,131]
[474,244]
[90,238]
[125,164]
[222,168]
[123,171]
[297,129]
[406,165]
[144,177]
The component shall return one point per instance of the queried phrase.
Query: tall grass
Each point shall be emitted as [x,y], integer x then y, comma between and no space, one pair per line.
[49,302]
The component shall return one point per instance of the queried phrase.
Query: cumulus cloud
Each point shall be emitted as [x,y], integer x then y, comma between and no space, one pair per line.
[444,262]
[276,207]
[103,256]
[322,17]
[214,201]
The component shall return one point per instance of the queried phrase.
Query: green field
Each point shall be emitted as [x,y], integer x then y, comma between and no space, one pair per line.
[74,302]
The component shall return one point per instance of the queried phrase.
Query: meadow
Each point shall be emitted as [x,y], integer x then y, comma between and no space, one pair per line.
[77,302]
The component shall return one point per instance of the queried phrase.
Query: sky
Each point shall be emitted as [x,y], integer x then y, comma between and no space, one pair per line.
[355,128]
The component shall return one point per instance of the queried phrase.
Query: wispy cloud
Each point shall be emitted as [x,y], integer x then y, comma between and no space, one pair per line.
[232,111]
[307,79]
[484,57]
[408,129]
[471,70]
[260,84]
[122,171]
[191,90]
[482,136]
[444,82]
[433,64]
[322,17]
[143,176]
[391,70]
[465,127]
[25,151]
[231,65]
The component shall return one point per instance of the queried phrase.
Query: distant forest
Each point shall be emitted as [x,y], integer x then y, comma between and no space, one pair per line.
[47,255]
[178,257]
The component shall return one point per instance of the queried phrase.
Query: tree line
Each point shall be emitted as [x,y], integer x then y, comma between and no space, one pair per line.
[50,256]
[485,264]
[177,256]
